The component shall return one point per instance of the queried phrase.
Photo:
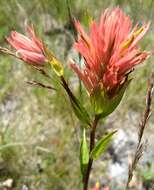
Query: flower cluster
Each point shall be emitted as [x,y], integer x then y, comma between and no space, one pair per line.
[110,51]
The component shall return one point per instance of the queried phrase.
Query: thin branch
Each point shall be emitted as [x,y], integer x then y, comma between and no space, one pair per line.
[140,146]
[75,35]
[42,71]
[8,52]
[71,20]
[147,111]
[39,84]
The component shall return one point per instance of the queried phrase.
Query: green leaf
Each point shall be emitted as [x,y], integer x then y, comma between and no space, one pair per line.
[81,112]
[101,145]
[84,153]
[103,105]
[78,108]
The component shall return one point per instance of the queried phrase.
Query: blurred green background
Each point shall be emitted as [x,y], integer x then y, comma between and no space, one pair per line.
[39,135]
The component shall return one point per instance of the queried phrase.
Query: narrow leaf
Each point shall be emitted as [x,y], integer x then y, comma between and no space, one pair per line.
[101,145]
[84,153]
[78,108]
[81,112]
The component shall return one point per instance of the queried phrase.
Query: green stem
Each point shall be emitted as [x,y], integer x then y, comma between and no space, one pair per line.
[92,144]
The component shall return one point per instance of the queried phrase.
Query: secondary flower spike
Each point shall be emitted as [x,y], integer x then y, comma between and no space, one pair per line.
[110,51]
[30,49]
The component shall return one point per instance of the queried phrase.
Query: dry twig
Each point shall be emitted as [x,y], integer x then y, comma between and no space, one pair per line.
[39,84]
[142,125]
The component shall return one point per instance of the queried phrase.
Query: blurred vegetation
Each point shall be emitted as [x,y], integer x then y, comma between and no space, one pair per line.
[38,131]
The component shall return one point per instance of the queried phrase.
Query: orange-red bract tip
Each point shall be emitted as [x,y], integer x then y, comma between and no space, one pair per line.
[110,50]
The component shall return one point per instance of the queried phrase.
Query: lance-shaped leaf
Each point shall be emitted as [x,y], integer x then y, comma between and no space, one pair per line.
[56,65]
[101,145]
[78,108]
[84,153]
[81,112]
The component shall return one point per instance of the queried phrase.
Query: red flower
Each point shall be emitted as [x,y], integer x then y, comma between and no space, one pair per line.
[96,187]
[110,51]
[30,50]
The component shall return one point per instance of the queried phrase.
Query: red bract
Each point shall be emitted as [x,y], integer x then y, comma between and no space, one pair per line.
[30,50]
[110,51]
[96,187]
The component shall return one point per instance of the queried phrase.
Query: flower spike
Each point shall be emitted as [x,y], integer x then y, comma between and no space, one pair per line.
[110,51]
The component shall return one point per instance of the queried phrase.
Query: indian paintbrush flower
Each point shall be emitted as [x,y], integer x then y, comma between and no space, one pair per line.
[110,52]
[96,187]
[30,49]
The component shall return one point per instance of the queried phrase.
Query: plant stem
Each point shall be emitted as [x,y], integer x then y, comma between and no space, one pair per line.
[69,92]
[142,126]
[92,144]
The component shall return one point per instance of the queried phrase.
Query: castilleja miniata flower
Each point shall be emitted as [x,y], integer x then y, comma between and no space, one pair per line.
[96,187]
[110,51]
[30,50]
